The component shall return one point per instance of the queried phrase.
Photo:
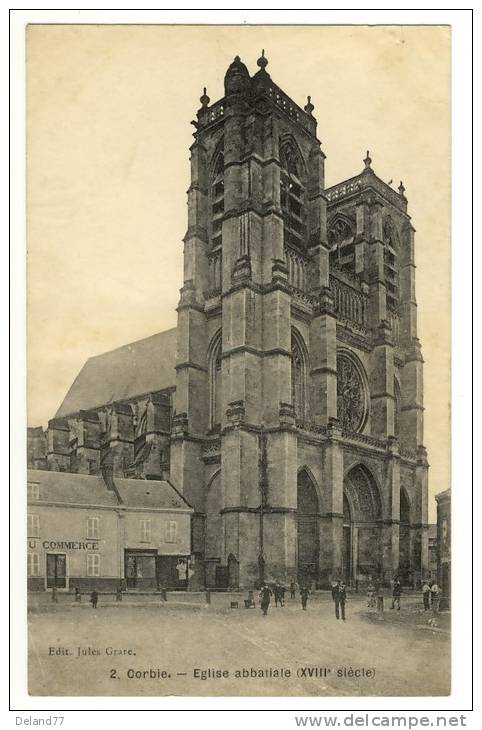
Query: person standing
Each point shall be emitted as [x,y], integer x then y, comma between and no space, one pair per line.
[426,596]
[265,598]
[339,594]
[282,591]
[94,597]
[396,593]
[78,597]
[435,595]
[292,589]
[304,593]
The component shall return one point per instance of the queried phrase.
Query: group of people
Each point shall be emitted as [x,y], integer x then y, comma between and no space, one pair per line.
[375,589]
[431,596]
[430,593]
[276,590]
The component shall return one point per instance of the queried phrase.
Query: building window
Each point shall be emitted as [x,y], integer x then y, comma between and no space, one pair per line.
[351,394]
[93,528]
[33,526]
[33,564]
[292,196]
[397,411]
[217,201]
[298,379]
[93,565]
[391,241]
[145,528]
[341,237]
[171,531]
[33,490]
[215,377]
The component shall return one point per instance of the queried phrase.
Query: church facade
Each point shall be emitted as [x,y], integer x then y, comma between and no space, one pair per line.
[287,405]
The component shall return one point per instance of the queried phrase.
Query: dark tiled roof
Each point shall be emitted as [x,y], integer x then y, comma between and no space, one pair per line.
[89,489]
[141,367]
[149,493]
[59,486]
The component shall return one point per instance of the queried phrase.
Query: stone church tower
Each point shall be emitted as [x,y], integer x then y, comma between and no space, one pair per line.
[291,418]
[298,427]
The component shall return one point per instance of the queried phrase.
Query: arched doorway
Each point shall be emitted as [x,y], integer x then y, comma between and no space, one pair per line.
[346,566]
[308,546]
[361,549]
[404,538]
[214,535]
[233,572]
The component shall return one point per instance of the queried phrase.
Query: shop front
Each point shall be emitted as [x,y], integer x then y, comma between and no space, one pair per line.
[147,570]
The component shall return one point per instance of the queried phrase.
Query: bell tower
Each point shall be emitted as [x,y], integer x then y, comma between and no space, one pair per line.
[256,216]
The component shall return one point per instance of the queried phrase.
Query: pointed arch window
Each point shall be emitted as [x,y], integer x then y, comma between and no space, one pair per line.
[292,197]
[341,240]
[217,200]
[390,259]
[215,376]
[298,379]
[397,411]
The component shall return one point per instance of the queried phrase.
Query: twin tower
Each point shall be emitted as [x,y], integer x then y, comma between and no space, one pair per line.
[298,427]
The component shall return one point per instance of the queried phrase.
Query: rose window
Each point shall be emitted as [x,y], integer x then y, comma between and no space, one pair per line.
[351,397]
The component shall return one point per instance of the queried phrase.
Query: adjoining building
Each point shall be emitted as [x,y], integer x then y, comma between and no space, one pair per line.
[444,560]
[432,552]
[287,405]
[98,532]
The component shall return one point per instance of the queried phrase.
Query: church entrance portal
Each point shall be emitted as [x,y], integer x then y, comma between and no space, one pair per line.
[361,549]
[308,511]
[404,540]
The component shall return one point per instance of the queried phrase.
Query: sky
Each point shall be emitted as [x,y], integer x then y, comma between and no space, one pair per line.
[108,133]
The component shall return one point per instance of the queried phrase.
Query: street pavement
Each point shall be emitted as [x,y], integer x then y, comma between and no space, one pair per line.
[145,646]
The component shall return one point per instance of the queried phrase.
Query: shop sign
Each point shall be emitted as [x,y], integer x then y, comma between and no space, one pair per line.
[64,545]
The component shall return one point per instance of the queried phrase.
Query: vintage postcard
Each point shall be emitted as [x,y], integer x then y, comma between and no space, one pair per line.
[238,399]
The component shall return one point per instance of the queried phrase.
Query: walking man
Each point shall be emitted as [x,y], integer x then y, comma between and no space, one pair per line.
[304,593]
[396,592]
[94,597]
[339,595]
[292,589]
[264,598]
[426,596]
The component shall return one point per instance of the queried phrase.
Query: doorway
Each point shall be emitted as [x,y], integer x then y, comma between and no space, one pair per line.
[404,539]
[56,570]
[140,569]
[347,541]
[361,547]
[307,518]
[233,572]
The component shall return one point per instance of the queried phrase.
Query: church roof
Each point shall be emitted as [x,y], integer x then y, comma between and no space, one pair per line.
[135,369]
